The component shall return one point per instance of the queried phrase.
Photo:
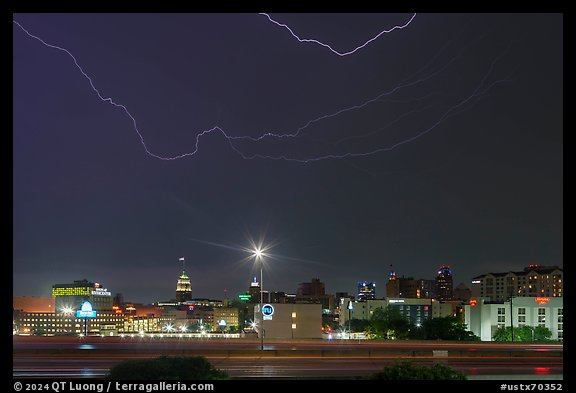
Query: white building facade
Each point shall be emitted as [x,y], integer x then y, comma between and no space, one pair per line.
[483,317]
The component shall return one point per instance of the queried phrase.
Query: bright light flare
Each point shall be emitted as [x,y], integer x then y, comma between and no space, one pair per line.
[67,310]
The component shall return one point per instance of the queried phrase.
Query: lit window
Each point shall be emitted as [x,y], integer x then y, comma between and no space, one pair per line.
[293,314]
[293,326]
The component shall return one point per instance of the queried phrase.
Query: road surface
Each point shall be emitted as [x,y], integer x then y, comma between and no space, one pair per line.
[72,357]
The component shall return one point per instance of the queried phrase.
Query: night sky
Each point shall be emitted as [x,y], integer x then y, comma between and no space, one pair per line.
[451,152]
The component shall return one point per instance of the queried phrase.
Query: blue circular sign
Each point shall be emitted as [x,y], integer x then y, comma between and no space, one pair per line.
[267,310]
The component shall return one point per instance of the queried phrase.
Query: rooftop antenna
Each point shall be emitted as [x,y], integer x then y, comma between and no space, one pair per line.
[183,264]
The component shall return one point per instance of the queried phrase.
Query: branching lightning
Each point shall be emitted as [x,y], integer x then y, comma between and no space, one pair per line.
[409,82]
[341,54]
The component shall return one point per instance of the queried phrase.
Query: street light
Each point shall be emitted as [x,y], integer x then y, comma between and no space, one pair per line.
[350,307]
[258,254]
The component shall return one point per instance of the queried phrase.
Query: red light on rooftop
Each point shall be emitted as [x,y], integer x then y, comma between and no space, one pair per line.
[473,302]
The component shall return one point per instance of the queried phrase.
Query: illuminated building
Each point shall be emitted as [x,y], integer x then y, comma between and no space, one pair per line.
[49,324]
[200,315]
[71,296]
[227,314]
[483,316]
[393,285]
[415,310]
[426,289]
[366,291]
[444,283]
[183,288]
[254,291]
[534,280]
[139,324]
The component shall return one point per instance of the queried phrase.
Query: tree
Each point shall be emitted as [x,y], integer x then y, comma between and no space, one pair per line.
[389,323]
[359,325]
[447,328]
[542,333]
[166,368]
[523,334]
[411,371]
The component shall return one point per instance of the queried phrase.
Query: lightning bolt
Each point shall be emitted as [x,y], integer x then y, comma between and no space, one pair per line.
[229,138]
[341,54]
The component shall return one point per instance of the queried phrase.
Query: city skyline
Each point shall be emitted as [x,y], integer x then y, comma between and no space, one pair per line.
[465,111]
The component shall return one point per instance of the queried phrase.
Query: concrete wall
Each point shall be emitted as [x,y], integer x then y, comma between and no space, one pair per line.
[292,321]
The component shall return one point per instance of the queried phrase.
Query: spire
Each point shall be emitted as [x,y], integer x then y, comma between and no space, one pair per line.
[392,274]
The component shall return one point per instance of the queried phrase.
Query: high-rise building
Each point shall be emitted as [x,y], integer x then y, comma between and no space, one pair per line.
[444,283]
[366,291]
[313,288]
[254,291]
[315,292]
[426,289]
[533,281]
[462,292]
[183,288]
[393,285]
[401,287]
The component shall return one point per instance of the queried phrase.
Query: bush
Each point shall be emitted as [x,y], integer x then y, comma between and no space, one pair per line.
[166,368]
[401,371]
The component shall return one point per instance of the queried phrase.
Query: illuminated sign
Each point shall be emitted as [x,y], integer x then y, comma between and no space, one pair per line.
[86,311]
[244,297]
[542,300]
[396,301]
[101,292]
[267,311]
[476,282]
[473,302]
[71,291]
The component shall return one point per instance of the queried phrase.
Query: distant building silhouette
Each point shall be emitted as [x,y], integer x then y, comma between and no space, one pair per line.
[462,292]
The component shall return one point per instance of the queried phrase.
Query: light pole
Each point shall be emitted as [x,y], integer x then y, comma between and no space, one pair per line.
[511,317]
[350,319]
[258,254]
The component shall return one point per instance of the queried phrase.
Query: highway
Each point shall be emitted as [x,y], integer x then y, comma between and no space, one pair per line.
[73,357]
